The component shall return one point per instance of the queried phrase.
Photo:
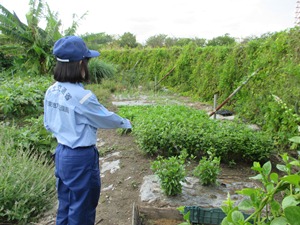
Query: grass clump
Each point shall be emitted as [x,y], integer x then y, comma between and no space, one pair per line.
[100,70]
[27,183]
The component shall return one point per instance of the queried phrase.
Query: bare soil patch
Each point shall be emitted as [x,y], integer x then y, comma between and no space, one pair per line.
[115,206]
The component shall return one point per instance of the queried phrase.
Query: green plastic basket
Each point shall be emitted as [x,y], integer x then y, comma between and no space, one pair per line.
[211,216]
[206,216]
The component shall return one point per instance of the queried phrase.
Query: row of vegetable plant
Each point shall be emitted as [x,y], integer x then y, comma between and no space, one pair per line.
[167,130]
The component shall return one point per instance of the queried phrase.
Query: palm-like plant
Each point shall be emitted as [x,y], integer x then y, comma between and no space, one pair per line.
[31,44]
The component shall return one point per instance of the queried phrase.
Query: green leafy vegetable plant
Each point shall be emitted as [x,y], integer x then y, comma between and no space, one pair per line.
[168,129]
[208,169]
[171,172]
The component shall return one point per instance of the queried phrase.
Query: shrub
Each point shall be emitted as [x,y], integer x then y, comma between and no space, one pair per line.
[32,135]
[166,130]
[282,121]
[27,184]
[274,201]
[235,141]
[21,96]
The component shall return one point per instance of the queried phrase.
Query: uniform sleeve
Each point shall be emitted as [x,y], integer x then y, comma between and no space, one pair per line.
[98,116]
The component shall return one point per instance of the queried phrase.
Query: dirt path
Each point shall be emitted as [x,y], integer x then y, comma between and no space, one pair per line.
[120,188]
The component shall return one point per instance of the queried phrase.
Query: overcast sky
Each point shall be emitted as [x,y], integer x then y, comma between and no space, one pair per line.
[175,18]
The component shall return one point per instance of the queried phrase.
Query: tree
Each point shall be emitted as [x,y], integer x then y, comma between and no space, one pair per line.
[128,40]
[31,43]
[221,40]
[156,41]
[183,41]
[169,42]
[96,41]
[200,42]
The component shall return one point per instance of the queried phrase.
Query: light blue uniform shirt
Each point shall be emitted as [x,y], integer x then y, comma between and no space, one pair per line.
[73,115]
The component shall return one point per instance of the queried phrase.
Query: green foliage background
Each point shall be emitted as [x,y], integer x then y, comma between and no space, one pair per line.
[202,72]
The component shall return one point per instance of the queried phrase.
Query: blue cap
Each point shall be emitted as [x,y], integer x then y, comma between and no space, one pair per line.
[72,49]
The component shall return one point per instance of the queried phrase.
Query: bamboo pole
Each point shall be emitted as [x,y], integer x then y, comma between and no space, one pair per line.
[165,76]
[232,94]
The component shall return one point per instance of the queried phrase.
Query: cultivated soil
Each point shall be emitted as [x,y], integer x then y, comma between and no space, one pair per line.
[121,184]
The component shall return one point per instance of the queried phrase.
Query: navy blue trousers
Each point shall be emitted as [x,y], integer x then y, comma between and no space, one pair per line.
[78,185]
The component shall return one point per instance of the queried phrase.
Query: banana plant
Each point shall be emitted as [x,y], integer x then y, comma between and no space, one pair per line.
[29,43]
